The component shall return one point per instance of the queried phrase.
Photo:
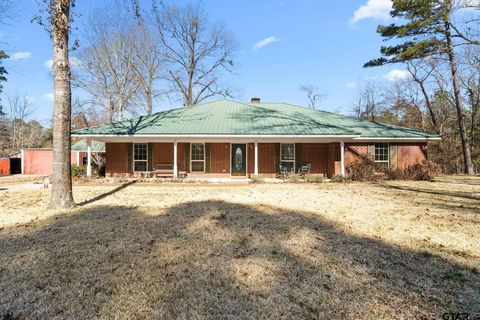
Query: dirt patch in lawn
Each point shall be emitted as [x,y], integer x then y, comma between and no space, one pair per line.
[343,251]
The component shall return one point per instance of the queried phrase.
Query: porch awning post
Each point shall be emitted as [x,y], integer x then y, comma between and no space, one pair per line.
[175,167]
[89,158]
[342,158]
[256,158]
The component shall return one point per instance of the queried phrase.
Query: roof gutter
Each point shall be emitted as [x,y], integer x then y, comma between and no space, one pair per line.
[367,139]
[236,137]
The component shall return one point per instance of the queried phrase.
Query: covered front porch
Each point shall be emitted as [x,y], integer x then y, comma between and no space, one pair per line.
[221,158]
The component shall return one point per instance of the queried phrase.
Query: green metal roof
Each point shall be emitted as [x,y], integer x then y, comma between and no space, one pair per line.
[225,117]
[81,145]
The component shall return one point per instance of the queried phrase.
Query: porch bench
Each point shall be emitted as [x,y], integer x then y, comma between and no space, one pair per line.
[163,170]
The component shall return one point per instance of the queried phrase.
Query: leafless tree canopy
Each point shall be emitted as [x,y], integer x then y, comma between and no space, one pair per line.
[6,10]
[107,71]
[313,94]
[196,50]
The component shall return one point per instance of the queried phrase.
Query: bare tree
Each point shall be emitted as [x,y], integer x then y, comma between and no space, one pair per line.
[313,94]
[19,108]
[196,51]
[470,77]
[367,105]
[6,8]
[449,26]
[147,64]
[420,72]
[108,70]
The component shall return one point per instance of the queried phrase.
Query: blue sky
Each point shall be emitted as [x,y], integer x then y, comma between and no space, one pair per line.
[282,44]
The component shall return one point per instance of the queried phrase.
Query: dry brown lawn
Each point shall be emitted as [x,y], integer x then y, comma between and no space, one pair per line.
[397,250]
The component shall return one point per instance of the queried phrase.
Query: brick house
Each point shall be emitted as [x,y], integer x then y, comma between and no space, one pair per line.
[226,139]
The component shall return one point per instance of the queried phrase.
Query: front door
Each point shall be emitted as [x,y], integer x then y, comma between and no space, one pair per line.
[239,160]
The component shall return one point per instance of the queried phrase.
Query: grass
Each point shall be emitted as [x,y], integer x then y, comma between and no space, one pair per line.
[391,250]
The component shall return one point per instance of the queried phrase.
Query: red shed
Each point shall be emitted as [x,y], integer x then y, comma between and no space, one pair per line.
[5,166]
[37,161]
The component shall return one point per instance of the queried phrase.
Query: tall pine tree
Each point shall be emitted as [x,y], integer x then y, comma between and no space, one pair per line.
[3,78]
[426,30]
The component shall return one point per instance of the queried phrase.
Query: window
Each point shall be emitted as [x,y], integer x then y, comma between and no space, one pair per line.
[381,156]
[287,156]
[198,157]
[140,157]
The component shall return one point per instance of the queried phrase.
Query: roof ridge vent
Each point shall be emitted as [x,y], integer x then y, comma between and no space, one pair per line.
[255,100]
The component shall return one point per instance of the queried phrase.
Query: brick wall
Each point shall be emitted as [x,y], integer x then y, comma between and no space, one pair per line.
[116,159]
[334,161]
[317,155]
[266,159]
[162,153]
[407,153]
[251,158]
[354,151]
[410,153]
[325,158]
[180,156]
[220,158]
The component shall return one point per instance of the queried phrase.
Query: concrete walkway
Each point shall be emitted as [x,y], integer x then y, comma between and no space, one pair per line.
[20,182]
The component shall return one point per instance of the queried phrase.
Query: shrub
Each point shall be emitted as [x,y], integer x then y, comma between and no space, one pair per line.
[338,178]
[394,174]
[362,169]
[423,171]
[78,171]
[256,179]
[314,179]
[294,179]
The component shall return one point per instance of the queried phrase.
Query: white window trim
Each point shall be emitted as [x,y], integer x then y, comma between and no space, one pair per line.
[294,155]
[191,157]
[375,153]
[133,157]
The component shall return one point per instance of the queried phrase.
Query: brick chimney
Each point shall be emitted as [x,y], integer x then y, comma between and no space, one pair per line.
[255,100]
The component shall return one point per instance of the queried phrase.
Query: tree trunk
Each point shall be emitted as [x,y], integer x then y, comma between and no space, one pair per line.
[474,119]
[433,117]
[148,94]
[62,196]
[110,112]
[467,157]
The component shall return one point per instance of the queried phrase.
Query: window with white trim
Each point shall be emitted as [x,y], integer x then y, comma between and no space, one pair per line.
[140,157]
[382,156]
[198,157]
[287,156]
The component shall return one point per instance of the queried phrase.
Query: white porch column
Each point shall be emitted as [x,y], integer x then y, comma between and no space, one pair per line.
[342,158]
[175,167]
[256,158]
[89,158]
[78,158]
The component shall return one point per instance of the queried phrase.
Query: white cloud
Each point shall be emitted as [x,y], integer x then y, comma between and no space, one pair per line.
[351,85]
[396,75]
[74,63]
[265,42]
[49,96]
[20,55]
[376,9]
